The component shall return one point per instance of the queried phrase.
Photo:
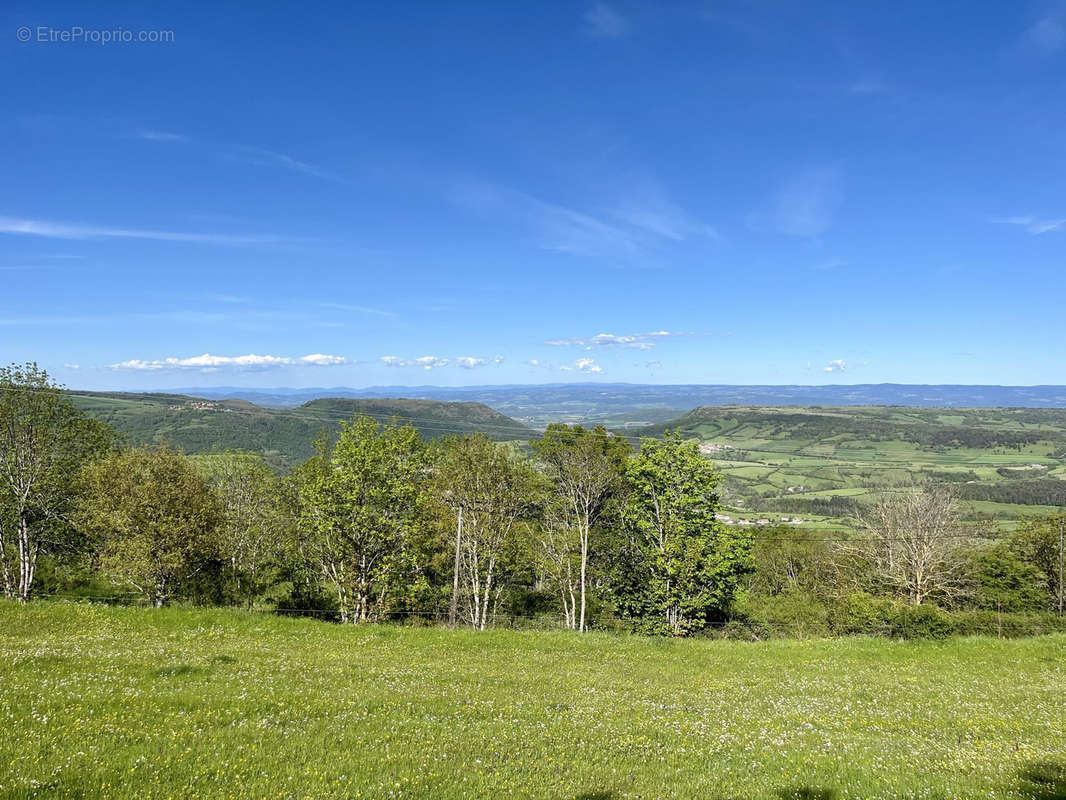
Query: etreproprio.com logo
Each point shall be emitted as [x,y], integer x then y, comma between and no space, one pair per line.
[77,34]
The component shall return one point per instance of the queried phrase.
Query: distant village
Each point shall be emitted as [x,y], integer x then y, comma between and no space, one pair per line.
[728,520]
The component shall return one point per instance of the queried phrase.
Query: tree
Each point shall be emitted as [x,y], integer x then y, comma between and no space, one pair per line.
[692,565]
[488,491]
[250,536]
[586,468]
[1006,582]
[154,518]
[358,506]
[915,545]
[44,441]
[787,561]
[1042,543]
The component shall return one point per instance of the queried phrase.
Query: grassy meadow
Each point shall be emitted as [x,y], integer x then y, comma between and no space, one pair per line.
[114,702]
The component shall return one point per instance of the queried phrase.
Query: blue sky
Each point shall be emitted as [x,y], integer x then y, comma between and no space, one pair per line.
[463,193]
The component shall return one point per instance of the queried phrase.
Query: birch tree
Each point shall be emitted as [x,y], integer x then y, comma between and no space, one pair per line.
[357,515]
[250,536]
[44,441]
[489,493]
[586,469]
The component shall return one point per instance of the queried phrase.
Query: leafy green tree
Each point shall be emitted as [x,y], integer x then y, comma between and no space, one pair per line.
[487,492]
[154,518]
[787,561]
[1041,541]
[254,519]
[1004,581]
[586,469]
[358,509]
[692,566]
[44,441]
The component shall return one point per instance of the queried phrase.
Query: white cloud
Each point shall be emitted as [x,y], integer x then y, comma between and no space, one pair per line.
[604,22]
[64,230]
[1034,225]
[72,366]
[425,362]
[469,362]
[837,365]
[633,341]
[210,362]
[587,365]
[322,360]
[434,362]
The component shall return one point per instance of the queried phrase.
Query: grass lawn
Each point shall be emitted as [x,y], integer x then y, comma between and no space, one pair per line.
[124,702]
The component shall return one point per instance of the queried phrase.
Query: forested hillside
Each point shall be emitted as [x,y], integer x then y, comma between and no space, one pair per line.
[285,436]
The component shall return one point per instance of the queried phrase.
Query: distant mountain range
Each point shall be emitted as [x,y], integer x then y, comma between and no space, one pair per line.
[627,404]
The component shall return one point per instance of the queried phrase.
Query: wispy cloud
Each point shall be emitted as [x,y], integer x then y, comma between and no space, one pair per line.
[212,363]
[260,156]
[66,230]
[357,309]
[631,231]
[257,156]
[1035,225]
[634,341]
[436,362]
[660,217]
[836,365]
[604,22]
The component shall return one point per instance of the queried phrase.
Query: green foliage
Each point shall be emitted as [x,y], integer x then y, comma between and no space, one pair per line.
[283,435]
[255,520]
[1006,582]
[586,470]
[44,441]
[1041,542]
[358,507]
[486,494]
[689,566]
[154,519]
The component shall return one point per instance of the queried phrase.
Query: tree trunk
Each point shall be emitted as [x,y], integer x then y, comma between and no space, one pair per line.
[9,587]
[27,561]
[584,570]
[453,608]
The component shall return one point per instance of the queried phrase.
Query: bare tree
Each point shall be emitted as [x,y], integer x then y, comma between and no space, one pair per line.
[914,545]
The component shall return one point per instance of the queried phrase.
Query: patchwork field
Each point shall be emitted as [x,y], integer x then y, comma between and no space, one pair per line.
[824,465]
[125,702]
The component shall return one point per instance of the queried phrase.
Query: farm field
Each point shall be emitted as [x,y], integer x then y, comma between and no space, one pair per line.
[124,702]
[824,465]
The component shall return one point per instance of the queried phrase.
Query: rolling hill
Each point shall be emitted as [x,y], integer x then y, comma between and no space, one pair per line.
[826,463]
[197,425]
